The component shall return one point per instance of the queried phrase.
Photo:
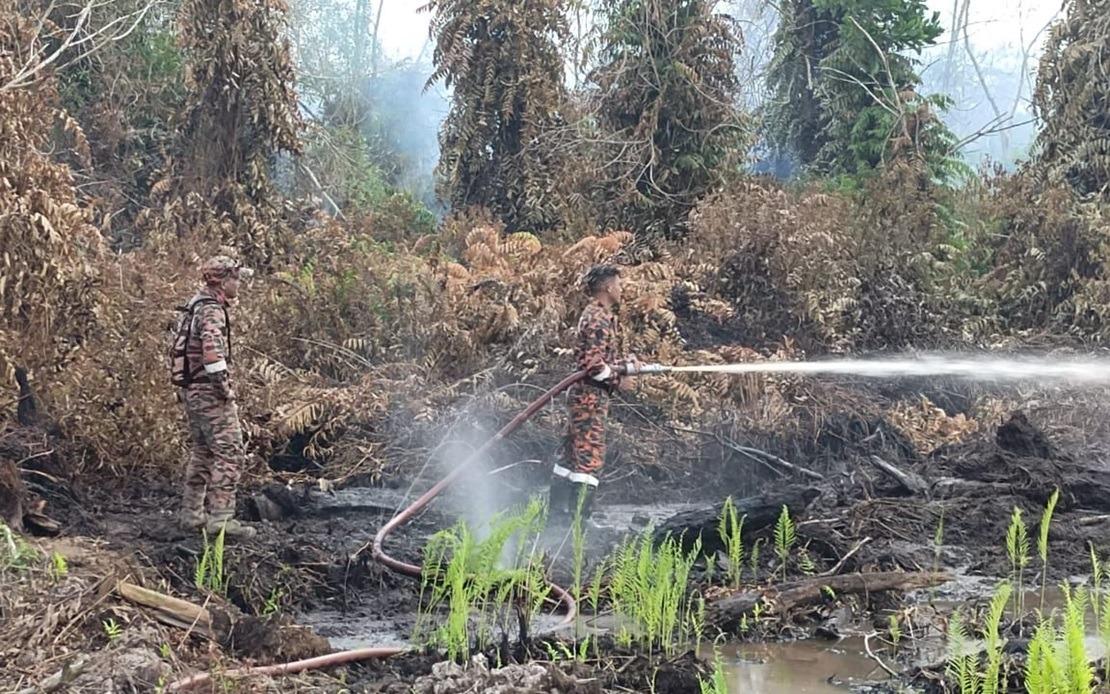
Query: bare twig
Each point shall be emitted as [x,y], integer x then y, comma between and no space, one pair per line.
[871,654]
[840,564]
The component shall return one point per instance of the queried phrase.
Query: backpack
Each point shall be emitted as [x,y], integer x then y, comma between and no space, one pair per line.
[181,375]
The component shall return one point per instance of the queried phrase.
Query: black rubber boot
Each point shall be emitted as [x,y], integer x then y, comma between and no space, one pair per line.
[559,502]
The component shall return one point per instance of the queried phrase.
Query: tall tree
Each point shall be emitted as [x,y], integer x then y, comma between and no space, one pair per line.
[845,98]
[667,101]
[241,107]
[1072,99]
[504,61]
[240,111]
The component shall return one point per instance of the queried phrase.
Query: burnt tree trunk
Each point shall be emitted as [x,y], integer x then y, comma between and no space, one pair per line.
[759,512]
[727,612]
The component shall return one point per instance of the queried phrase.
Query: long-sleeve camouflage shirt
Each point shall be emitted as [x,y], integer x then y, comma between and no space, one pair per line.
[208,348]
[598,342]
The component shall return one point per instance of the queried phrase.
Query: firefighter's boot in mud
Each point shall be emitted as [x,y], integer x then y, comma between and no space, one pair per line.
[559,501]
[232,528]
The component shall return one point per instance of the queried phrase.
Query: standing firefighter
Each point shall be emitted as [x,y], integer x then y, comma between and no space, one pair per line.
[200,367]
[596,350]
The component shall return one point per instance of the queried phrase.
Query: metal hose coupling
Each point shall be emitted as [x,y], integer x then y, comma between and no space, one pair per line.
[632,369]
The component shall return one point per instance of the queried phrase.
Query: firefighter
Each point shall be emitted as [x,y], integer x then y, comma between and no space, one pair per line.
[596,351]
[201,367]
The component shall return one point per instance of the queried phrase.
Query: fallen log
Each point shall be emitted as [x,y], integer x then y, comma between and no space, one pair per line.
[175,612]
[759,512]
[911,482]
[728,611]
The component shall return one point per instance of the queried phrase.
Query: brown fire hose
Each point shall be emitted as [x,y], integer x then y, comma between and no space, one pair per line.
[380,555]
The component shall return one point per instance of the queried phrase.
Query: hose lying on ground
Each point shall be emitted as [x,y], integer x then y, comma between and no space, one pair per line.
[380,555]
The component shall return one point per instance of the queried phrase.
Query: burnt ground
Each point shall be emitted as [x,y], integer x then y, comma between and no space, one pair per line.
[306,559]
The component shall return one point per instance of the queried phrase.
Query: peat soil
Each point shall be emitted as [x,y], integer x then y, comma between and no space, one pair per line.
[311,554]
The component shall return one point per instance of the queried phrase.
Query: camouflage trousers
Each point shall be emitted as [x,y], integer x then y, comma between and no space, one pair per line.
[216,452]
[585,444]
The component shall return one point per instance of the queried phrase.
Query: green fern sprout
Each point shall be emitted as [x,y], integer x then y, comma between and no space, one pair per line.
[1078,673]
[718,681]
[1017,549]
[753,557]
[1097,577]
[1042,540]
[1041,671]
[992,641]
[730,528]
[938,543]
[961,667]
[112,629]
[785,538]
[1104,634]
[209,575]
[894,629]
[59,567]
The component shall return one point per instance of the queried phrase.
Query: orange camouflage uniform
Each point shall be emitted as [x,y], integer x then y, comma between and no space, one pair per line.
[596,348]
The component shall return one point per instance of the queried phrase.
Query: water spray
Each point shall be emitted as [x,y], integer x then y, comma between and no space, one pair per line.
[1086,371]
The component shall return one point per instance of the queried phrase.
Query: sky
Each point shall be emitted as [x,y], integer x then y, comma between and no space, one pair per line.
[992,24]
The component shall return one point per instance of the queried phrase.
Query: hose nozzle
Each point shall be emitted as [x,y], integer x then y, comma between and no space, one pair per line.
[631,369]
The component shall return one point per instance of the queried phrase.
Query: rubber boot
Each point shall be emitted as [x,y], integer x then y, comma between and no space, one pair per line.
[559,503]
[231,527]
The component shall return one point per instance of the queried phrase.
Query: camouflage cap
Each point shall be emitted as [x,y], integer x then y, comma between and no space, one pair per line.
[221,267]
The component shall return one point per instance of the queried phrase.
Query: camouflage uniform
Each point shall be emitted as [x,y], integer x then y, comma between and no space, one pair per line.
[596,352]
[216,453]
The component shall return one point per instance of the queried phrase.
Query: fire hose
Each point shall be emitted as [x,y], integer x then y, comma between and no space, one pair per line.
[379,554]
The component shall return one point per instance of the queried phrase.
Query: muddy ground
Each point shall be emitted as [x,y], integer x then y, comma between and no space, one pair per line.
[310,563]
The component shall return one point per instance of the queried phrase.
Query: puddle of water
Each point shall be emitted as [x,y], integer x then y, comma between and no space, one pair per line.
[347,630]
[799,667]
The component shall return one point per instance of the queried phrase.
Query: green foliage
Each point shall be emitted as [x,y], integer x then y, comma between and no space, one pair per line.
[753,557]
[1097,576]
[1041,671]
[668,89]
[1104,633]
[894,630]
[730,528]
[717,682]
[992,641]
[963,658]
[962,668]
[1042,540]
[15,553]
[1017,549]
[843,98]
[1058,662]
[112,629]
[1078,673]
[648,590]
[480,578]
[209,573]
[785,538]
[503,62]
[59,567]
[1073,146]
[273,602]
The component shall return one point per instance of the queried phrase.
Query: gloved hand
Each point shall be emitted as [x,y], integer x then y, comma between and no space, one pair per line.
[602,372]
